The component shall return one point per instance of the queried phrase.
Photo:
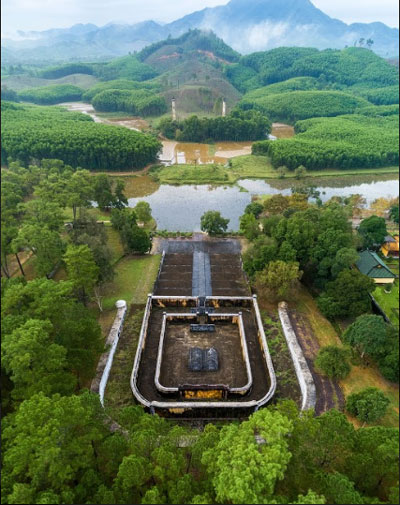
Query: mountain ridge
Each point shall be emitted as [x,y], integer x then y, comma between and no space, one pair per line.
[245,25]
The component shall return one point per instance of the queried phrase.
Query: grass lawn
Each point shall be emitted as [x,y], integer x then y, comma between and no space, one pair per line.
[361,376]
[247,167]
[389,302]
[134,280]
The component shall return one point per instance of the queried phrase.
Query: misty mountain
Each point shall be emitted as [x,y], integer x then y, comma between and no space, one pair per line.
[246,25]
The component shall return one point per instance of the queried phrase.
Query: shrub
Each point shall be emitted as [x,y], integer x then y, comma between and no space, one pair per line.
[333,362]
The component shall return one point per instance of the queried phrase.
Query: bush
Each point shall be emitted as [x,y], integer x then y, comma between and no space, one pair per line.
[369,405]
[333,362]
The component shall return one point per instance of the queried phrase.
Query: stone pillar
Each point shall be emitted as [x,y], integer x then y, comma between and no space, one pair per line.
[173,109]
[223,107]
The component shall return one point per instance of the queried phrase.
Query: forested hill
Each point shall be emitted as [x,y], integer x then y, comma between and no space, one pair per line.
[198,41]
[246,25]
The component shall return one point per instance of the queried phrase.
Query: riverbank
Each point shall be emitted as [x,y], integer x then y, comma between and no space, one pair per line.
[247,167]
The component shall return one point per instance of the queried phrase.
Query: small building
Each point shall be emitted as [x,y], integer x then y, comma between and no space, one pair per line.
[370,264]
[390,248]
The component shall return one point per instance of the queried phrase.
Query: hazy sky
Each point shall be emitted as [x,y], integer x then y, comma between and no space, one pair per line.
[44,14]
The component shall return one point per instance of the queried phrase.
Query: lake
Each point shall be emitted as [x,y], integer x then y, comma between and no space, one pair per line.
[179,208]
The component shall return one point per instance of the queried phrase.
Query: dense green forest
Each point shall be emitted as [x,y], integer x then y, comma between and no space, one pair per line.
[31,133]
[58,71]
[194,40]
[341,142]
[127,67]
[238,125]
[303,104]
[347,67]
[380,96]
[50,95]
[139,102]
[121,84]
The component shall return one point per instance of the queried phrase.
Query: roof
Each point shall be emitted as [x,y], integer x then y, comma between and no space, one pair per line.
[371,264]
[390,239]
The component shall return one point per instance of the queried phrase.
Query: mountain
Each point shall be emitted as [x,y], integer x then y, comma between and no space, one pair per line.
[256,25]
[246,25]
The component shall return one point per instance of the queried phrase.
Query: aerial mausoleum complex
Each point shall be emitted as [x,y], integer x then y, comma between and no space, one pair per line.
[202,349]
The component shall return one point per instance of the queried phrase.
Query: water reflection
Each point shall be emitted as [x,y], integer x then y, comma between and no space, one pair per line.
[179,208]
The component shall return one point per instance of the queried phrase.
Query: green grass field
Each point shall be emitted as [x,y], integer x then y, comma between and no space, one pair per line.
[134,280]
[248,167]
[389,302]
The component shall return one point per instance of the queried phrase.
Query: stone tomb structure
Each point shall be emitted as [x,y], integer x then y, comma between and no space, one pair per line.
[202,348]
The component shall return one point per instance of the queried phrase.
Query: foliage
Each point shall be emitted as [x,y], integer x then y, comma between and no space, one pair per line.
[213,223]
[370,335]
[35,362]
[254,208]
[394,214]
[298,105]
[49,95]
[194,40]
[143,212]
[249,458]
[38,132]
[127,67]
[333,362]
[238,125]
[58,71]
[381,96]
[330,67]
[52,446]
[81,269]
[278,278]
[249,226]
[347,295]
[9,94]
[118,84]
[134,239]
[139,102]
[109,194]
[368,405]
[72,326]
[343,142]
[373,231]
[378,110]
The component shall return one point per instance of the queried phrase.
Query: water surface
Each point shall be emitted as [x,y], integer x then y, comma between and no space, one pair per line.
[179,208]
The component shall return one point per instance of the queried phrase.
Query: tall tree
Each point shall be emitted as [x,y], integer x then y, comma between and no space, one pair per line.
[368,334]
[45,244]
[51,449]
[35,363]
[347,295]
[250,458]
[213,223]
[368,405]
[278,278]
[81,269]
[373,230]
[143,212]
[79,191]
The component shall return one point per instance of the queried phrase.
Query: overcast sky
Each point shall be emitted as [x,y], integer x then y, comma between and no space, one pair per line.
[43,14]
